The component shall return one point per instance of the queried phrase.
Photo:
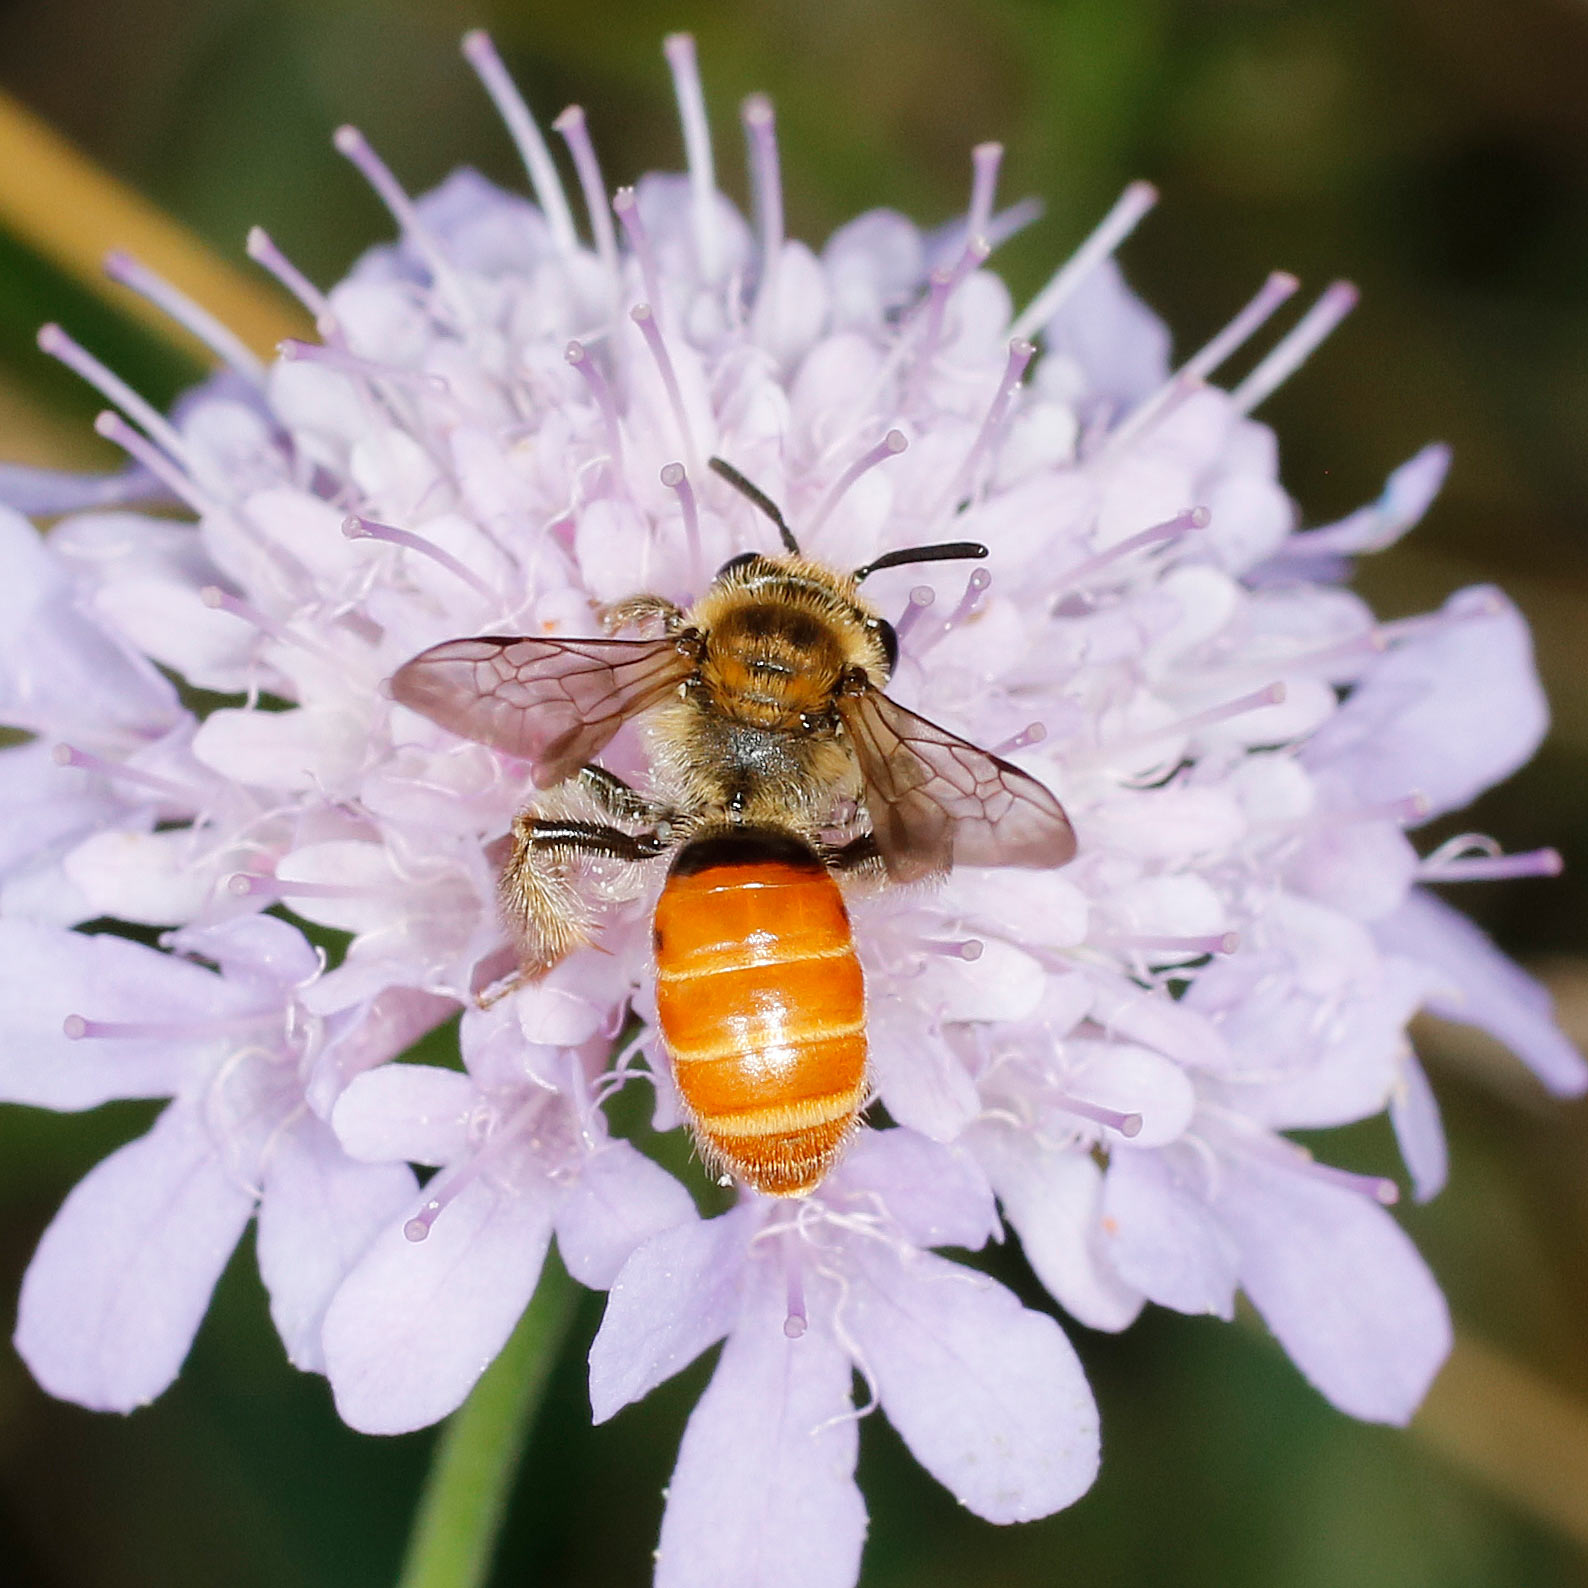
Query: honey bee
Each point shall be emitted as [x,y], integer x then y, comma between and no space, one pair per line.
[768,725]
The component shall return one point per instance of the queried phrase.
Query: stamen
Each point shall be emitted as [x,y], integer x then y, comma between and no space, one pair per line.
[985,159]
[357,528]
[223,601]
[220,339]
[969,949]
[1272,695]
[921,597]
[1300,342]
[575,133]
[1020,354]
[890,446]
[766,184]
[58,345]
[1126,1124]
[580,359]
[136,445]
[679,49]
[263,250]
[258,885]
[1167,943]
[77,1029]
[1383,1191]
[70,755]
[1171,529]
[676,479]
[796,1321]
[1413,807]
[481,54]
[626,206]
[1194,372]
[352,145]
[1488,868]
[1033,733]
[1114,228]
[646,321]
[944,283]
[361,368]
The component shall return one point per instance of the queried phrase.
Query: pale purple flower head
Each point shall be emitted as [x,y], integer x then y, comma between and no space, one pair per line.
[504,426]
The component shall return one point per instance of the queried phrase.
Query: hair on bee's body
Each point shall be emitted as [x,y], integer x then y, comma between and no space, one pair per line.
[782,767]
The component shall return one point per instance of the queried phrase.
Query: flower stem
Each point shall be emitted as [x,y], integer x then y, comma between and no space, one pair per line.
[471,1475]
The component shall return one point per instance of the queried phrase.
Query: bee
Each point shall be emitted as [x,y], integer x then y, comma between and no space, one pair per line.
[769,726]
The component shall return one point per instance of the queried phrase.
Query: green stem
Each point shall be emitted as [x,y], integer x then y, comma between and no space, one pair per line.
[471,1474]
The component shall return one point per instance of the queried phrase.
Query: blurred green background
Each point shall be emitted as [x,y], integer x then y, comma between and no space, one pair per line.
[1435,151]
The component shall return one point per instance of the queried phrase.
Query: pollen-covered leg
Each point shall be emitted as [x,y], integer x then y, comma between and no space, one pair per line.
[542,908]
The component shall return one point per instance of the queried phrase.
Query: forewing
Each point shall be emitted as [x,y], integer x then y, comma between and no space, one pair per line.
[551,702]
[936,801]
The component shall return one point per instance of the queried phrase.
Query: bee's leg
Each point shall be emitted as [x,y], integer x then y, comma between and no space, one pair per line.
[859,858]
[619,801]
[637,609]
[539,902]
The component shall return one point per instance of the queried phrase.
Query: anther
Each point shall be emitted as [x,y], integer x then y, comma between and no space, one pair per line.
[890,446]
[679,49]
[258,885]
[1445,866]
[58,345]
[119,771]
[1126,1124]
[219,339]
[358,528]
[796,1321]
[1020,354]
[646,321]
[339,359]
[136,445]
[576,134]
[578,357]
[219,600]
[1270,695]
[1298,344]
[921,597]
[263,251]
[481,54]
[676,478]
[969,949]
[1032,733]
[1114,228]
[76,1028]
[626,206]
[1279,286]
[1171,529]
[760,129]
[985,160]
[354,147]
[943,284]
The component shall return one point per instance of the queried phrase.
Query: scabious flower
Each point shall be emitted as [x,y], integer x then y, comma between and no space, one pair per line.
[503,427]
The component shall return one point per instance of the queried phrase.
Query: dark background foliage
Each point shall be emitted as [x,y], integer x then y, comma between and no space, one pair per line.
[1436,151]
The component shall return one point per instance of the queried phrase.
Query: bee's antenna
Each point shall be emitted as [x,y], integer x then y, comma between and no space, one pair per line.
[949,551]
[755,494]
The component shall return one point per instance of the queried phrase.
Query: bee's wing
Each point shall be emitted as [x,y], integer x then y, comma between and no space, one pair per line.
[551,702]
[936,801]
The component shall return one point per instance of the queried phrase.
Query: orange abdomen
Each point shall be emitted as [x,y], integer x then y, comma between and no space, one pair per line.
[761,1002]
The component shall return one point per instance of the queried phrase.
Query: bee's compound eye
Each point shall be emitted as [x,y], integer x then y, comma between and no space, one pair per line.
[743,560]
[889,637]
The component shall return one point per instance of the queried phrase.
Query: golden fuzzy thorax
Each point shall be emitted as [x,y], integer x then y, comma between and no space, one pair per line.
[754,736]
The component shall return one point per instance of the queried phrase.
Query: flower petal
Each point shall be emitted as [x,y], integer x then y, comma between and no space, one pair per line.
[317,1215]
[619,1200]
[988,1396]
[764,1493]
[115,1292]
[1339,1283]
[1481,987]
[677,1294]
[417,1322]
